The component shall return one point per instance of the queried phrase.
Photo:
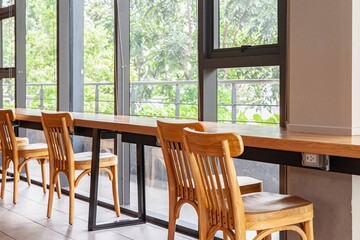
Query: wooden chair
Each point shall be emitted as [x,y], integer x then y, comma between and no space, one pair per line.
[13,149]
[221,205]
[62,159]
[21,141]
[180,182]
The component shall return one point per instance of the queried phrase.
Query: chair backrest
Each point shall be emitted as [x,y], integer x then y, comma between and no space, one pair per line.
[56,129]
[176,161]
[9,146]
[219,197]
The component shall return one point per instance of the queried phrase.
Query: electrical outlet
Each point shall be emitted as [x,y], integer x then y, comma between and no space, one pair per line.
[316,161]
[311,159]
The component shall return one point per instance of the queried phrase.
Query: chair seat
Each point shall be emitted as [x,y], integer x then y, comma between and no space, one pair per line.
[33,150]
[22,141]
[267,210]
[249,184]
[83,160]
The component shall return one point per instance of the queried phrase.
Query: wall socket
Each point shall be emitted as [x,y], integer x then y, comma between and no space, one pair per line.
[316,161]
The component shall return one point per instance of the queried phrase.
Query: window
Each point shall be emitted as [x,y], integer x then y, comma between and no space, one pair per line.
[7,54]
[99,56]
[246,28]
[8,62]
[163,59]
[41,75]
[249,95]
[163,83]
[244,61]
[245,23]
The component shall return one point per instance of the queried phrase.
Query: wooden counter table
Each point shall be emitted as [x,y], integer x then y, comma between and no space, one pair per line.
[262,143]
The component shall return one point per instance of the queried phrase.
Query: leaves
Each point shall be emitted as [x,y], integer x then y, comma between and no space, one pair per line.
[163,40]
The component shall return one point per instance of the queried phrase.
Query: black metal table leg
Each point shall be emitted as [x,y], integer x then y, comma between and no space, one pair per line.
[93,201]
[95,163]
[140,162]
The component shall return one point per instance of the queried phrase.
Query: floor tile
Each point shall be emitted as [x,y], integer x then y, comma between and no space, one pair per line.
[27,220]
[31,231]
[5,237]
[81,233]
[151,232]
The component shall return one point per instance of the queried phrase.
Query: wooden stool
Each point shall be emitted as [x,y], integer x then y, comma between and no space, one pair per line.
[62,159]
[221,206]
[180,181]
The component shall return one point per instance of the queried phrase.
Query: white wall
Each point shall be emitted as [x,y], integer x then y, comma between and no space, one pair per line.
[324,97]
[320,64]
[356,112]
[356,67]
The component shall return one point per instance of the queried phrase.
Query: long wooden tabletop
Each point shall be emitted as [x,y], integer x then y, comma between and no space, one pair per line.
[268,137]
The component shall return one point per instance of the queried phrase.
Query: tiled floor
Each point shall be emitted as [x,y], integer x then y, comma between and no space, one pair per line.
[27,220]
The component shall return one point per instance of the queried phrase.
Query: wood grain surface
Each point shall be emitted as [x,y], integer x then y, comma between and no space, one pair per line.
[270,137]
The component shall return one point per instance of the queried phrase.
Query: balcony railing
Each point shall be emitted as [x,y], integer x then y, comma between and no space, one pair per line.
[43,96]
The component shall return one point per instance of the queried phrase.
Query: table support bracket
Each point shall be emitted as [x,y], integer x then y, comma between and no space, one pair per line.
[94,183]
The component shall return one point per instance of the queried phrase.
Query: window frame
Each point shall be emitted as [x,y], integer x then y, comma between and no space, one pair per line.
[244,50]
[210,59]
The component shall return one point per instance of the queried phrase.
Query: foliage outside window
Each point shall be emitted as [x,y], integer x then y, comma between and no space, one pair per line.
[8,61]
[41,54]
[243,22]
[249,95]
[99,56]
[163,58]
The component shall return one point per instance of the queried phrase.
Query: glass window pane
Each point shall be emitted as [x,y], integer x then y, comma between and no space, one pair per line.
[99,56]
[8,31]
[8,91]
[249,95]
[163,83]
[163,59]
[6,3]
[243,22]
[41,54]
[7,85]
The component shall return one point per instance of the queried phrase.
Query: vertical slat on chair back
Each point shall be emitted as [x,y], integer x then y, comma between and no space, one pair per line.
[218,192]
[7,135]
[176,161]
[56,129]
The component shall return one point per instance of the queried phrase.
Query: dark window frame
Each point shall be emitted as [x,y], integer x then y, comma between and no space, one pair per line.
[210,59]
[244,50]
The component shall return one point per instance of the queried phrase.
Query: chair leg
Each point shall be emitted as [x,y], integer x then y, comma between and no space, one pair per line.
[27,173]
[58,187]
[3,180]
[204,230]
[71,201]
[43,175]
[115,189]
[172,215]
[16,181]
[51,195]
[309,229]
